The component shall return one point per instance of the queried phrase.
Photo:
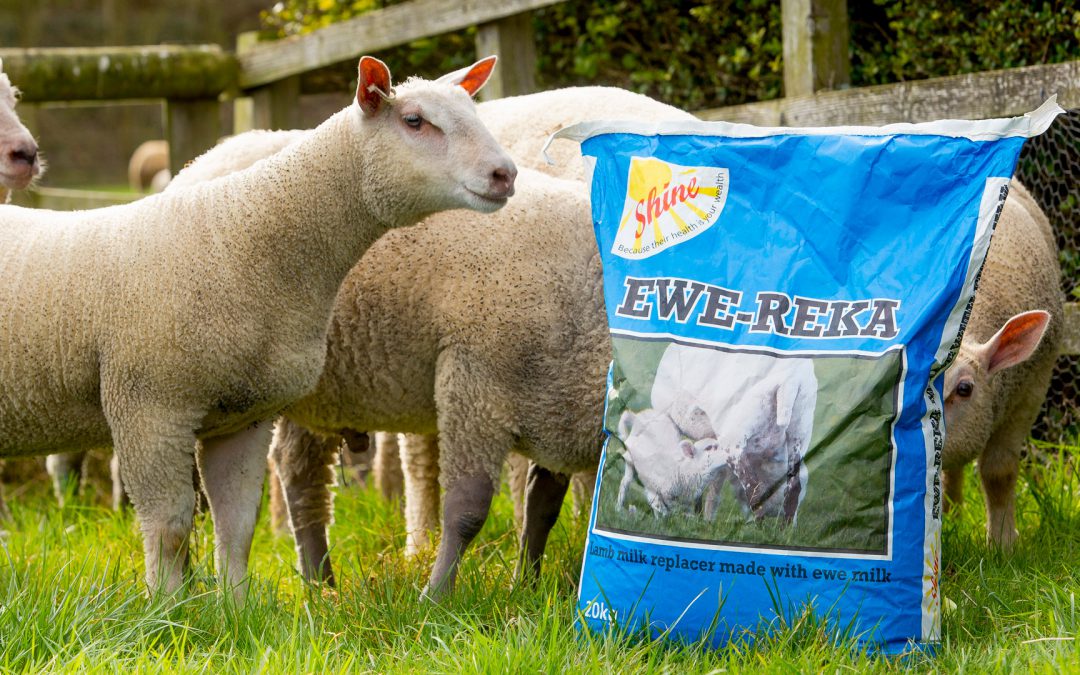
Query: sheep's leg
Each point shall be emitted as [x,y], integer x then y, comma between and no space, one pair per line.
[583,486]
[65,469]
[279,511]
[713,493]
[120,497]
[793,487]
[658,507]
[468,500]
[420,467]
[544,496]
[517,477]
[953,484]
[357,455]
[232,468]
[386,467]
[624,484]
[473,443]
[305,465]
[156,458]
[999,467]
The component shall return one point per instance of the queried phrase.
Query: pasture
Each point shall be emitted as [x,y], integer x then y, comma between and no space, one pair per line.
[74,600]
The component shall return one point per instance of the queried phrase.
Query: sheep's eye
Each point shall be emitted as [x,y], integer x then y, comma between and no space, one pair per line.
[413,120]
[965,388]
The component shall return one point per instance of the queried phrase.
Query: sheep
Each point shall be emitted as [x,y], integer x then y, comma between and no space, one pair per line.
[197,315]
[994,389]
[229,156]
[19,161]
[146,163]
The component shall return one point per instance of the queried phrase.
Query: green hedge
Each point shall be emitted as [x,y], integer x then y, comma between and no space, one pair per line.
[709,53]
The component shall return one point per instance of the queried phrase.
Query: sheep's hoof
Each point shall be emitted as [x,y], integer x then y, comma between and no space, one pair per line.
[427,597]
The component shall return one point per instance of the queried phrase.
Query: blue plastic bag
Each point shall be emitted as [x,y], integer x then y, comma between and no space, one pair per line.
[782,304]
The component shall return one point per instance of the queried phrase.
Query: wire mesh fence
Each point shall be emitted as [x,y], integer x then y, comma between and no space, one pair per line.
[1050,168]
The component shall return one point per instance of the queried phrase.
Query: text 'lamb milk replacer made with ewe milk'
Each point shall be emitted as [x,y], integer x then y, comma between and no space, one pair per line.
[782,304]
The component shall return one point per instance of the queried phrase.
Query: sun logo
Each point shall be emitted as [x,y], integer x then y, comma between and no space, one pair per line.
[667,204]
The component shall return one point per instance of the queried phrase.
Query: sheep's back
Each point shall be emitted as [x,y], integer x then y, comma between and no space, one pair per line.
[522,124]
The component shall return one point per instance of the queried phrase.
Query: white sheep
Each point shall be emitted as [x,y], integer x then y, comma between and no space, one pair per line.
[994,390]
[198,314]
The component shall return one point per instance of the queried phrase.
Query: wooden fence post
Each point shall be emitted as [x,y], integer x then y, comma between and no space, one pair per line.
[243,106]
[272,106]
[277,105]
[192,127]
[816,41]
[513,41]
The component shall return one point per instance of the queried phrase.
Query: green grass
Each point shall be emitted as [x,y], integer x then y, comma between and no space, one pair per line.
[71,599]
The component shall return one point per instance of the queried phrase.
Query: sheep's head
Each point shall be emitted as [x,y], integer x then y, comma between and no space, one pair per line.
[438,143]
[968,394]
[19,163]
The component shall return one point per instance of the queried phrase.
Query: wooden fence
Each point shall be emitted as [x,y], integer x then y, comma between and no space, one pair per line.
[263,80]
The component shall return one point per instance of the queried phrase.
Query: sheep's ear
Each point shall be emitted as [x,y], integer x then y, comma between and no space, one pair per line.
[626,423]
[473,78]
[1015,342]
[373,84]
[687,448]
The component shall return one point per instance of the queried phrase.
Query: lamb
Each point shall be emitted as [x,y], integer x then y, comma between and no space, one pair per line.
[19,161]
[994,389]
[229,285]
[674,470]
[765,408]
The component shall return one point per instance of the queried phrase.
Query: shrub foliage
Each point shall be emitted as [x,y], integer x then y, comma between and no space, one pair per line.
[707,53]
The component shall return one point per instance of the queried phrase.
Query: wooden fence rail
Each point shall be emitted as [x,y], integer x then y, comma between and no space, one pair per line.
[994,93]
[381,29]
[191,79]
[117,73]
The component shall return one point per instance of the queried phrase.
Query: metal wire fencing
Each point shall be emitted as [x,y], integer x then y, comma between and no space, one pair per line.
[1050,168]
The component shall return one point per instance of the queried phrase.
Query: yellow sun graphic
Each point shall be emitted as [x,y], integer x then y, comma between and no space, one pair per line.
[670,202]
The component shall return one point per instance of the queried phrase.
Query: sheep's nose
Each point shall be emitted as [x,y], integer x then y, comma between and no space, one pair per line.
[26,154]
[502,180]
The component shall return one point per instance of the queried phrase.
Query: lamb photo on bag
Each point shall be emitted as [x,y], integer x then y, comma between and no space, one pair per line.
[691,461]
